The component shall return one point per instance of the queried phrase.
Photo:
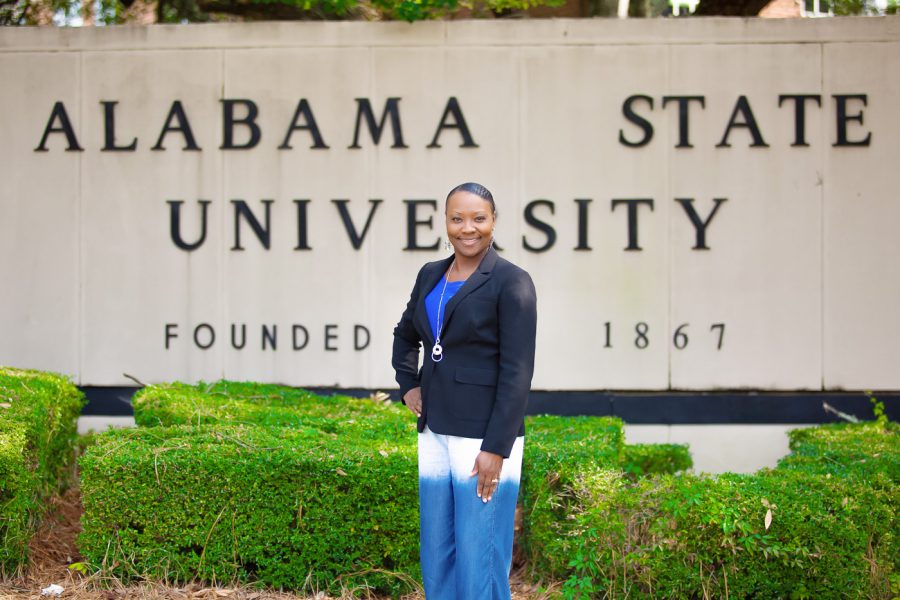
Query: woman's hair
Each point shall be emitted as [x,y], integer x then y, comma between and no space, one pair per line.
[473,188]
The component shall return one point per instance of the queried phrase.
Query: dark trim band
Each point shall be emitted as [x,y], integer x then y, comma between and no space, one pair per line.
[666,408]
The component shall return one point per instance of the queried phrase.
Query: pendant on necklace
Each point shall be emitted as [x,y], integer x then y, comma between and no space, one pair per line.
[437,352]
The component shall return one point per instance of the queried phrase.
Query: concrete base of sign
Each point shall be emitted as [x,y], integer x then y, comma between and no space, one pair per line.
[714,448]
[102,423]
[720,448]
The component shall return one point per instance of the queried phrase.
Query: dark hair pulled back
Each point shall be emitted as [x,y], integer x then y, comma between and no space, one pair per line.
[473,188]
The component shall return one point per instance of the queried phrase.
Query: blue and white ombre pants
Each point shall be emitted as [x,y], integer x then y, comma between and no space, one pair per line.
[465,544]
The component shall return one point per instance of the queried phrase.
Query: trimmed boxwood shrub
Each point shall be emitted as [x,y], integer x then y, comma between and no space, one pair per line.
[38,427]
[290,507]
[235,403]
[865,451]
[831,530]
[556,453]
[692,536]
[17,499]
[655,459]
[561,452]
[567,457]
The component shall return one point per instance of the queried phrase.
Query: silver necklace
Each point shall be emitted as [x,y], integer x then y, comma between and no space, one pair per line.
[437,351]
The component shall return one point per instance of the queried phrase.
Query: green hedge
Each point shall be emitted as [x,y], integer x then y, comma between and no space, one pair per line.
[833,530]
[290,507]
[235,403]
[640,460]
[17,500]
[344,428]
[346,466]
[38,427]
[566,457]
[557,450]
[695,536]
[560,453]
[865,451]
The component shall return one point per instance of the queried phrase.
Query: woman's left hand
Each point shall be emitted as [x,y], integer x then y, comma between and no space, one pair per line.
[487,467]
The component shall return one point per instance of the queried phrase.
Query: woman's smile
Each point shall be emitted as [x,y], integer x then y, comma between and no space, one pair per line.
[470,224]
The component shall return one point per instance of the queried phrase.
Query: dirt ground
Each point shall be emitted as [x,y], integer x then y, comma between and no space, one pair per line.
[53,549]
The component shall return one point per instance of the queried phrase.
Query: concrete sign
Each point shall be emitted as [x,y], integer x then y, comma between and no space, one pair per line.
[702,204]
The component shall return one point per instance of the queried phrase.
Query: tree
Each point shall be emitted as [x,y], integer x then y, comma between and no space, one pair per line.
[42,12]
[45,12]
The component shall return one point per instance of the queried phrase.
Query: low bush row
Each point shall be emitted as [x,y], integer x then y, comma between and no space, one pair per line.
[252,482]
[865,452]
[267,405]
[256,482]
[557,450]
[821,525]
[599,440]
[290,507]
[38,417]
[639,460]
[259,482]
[213,482]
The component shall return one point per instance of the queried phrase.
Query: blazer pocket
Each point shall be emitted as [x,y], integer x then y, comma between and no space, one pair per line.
[476,376]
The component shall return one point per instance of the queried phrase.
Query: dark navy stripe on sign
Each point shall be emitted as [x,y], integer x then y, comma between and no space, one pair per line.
[675,408]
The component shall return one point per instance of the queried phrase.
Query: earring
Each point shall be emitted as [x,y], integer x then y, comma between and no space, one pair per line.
[447,245]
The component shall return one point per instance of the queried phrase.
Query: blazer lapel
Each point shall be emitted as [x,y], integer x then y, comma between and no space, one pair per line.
[475,280]
[428,282]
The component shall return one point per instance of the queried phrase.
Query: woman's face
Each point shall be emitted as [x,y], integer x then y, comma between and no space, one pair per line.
[470,223]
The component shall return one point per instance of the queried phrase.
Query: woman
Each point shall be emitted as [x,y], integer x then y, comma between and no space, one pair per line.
[475,314]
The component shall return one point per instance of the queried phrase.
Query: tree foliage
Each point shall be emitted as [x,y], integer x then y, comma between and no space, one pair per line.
[110,12]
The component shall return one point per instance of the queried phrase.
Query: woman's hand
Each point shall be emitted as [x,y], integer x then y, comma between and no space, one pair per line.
[413,401]
[487,467]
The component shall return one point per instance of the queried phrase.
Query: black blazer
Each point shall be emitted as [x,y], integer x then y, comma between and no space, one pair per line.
[480,388]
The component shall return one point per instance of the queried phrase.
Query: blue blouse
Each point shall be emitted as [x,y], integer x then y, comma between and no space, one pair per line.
[434,298]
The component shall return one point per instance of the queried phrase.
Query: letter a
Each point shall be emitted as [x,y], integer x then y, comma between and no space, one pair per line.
[65,126]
